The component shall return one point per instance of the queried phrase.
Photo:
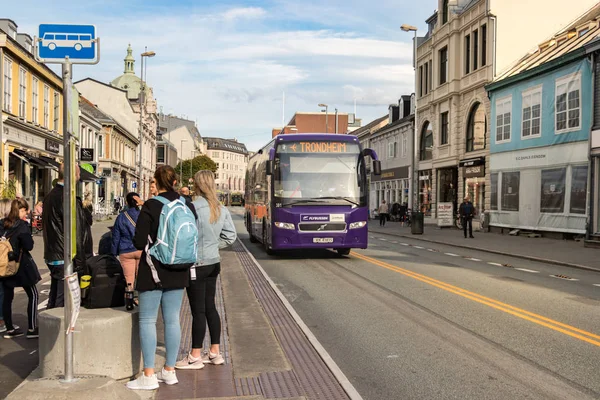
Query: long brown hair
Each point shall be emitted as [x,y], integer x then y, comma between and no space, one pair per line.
[165,178]
[13,215]
[204,185]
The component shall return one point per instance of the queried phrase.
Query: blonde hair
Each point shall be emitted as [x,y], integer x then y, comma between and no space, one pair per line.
[204,185]
[5,206]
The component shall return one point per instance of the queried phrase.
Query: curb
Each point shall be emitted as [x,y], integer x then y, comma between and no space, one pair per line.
[522,256]
[331,364]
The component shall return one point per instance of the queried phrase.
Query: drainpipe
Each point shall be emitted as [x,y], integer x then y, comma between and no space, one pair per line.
[590,182]
[494,66]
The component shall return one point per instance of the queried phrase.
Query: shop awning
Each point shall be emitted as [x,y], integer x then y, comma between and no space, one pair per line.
[86,176]
[53,163]
[22,154]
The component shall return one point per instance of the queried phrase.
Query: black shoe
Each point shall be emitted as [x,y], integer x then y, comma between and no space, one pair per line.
[13,334]
[472,237]
[33,334]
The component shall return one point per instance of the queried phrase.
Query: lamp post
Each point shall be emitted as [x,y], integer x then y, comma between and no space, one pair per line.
[181,166]
[326,115]
[145,54]
[192,162]
[336,120]
[414,181]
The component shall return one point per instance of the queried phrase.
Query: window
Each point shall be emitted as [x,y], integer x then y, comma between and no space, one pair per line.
[579,189]
[510,191]
[475,48]
[426,78]
[7,100]
[568,108]
[467,54]
[426,148]
[404,145]
[35,83]
[22,92]
[56,111]
[46,106]
[444,128]
[395,147]
[443,65]
[391,150]
[553,190]
[421,92]
[532,113]
[476,128]
[494,192]
[503,111]
[160,154]
[483,45]
[430,76]
[445,12]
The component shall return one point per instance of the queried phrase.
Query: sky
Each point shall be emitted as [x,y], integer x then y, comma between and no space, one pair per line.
[226,64]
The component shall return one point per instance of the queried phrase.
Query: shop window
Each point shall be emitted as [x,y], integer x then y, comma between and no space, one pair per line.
[426,148]
[425,192]
[494,192]
[510,191]
[477,128]
[553,190]
[568,104]
[532,113]
[579,189]
[503,118]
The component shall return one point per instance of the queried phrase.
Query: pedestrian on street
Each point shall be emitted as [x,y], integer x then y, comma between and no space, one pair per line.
[215,231]
[52,221]
[122,239]
[16,230]
[153,190]
[185,192]
[4,210]
[466,212]
[383,212]
[166,295]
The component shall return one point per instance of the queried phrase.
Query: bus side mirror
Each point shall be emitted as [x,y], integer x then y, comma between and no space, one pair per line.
[376,167]
[269,167]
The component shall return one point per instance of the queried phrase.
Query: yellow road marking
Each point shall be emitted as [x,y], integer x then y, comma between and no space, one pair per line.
[507,308]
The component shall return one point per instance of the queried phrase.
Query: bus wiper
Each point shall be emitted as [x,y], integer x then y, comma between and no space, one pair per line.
[340,198]
[303,201]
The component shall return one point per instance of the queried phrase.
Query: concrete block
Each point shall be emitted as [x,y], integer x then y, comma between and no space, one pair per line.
[106,343]
[84,387]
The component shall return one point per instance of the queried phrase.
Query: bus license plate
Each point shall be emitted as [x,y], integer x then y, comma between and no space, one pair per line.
[322,240]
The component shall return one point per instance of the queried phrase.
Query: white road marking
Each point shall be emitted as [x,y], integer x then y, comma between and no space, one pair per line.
[404,244]
[432,250]
[385,240]
[473,259]
[393,356]
[564,279]
[496,264]
[46,283]
[43,305]
[419,247]
[451,254]
[597,284]
[32,352]
[528,270]
[394,242]
[45,291]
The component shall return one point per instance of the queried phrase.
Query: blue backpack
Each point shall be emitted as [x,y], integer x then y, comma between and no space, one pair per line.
[177,238]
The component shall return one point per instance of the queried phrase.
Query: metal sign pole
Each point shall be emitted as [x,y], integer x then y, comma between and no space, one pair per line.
[68,212]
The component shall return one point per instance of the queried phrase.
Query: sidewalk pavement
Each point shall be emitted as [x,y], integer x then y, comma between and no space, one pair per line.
[568,253]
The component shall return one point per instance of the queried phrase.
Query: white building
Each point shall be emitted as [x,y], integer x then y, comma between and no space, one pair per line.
[232,159]
[182,134]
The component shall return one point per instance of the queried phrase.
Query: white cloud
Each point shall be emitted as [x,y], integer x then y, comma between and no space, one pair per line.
[244,13]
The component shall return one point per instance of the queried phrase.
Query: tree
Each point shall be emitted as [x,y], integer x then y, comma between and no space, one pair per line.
[202,162]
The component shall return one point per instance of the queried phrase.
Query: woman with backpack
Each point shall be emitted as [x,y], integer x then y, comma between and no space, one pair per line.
[123,232]
[215,231]
[159,285]
[17,233]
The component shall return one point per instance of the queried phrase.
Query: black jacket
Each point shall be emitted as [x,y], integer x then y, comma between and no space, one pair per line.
[147,224]
[21,241]
[52,221]
[466,210]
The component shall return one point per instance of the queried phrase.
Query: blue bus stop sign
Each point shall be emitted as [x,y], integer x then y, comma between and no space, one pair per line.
[77,42]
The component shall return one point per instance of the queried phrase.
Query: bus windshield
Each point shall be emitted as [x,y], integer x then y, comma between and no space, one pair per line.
[331,172]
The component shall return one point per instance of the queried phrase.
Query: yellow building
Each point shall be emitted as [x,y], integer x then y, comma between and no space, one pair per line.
[31,123]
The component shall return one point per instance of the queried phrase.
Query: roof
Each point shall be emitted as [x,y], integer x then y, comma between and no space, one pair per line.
[561,47]
[367,128]
[394,124]
[88,107]
[214,143]
[171,122]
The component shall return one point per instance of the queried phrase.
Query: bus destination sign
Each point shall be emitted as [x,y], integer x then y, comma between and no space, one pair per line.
[315,147]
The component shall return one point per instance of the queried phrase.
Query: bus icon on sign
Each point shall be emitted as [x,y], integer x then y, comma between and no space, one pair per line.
[77,42]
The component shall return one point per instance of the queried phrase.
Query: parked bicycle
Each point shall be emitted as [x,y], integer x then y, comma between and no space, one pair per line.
[458,221]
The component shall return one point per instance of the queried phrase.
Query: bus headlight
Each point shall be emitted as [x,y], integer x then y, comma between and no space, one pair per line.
[284,225]
[359,224]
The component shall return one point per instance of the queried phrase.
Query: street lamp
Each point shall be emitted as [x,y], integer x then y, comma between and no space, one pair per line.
[413,199]
[326,114]
[181,166]
[145,54]
[192,162]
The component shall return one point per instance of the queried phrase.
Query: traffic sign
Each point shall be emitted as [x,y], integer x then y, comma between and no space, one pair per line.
[57,42]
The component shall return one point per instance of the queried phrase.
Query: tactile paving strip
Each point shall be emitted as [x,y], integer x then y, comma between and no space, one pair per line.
[315,379]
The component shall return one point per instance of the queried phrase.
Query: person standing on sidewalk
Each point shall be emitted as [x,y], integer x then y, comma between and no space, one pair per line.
[467,211]
[52,221]
[215,231]
[122,239]
[383,212]
[16,230]
[166,295]
[185,193]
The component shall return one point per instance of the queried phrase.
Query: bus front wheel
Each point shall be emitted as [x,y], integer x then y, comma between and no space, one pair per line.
[343,252]
[268,250]
[249,229]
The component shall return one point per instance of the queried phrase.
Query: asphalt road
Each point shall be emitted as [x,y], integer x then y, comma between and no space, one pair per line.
[408,320]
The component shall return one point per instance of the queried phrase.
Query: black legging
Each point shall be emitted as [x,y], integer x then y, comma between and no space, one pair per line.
[382,219]
[201,294]
[32,305]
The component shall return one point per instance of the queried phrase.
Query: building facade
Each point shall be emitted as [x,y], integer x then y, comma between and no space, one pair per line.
[181,133]
[232,159]
[319,122]
[31,117]
[166,153]
[87,150]
[593,51]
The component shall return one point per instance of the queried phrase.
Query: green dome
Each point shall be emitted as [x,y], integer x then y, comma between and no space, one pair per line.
[129,81]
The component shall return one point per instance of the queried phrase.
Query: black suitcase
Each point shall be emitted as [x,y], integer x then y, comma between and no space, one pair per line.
[107,284]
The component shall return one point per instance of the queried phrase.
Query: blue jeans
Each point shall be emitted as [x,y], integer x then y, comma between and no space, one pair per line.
[170,303]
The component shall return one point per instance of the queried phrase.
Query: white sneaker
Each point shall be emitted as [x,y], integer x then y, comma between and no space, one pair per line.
[143,382]
[2,328]
[212,358]
[168,377]
[190,362]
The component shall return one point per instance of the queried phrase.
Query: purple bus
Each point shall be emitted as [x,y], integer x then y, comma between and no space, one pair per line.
[309,191]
